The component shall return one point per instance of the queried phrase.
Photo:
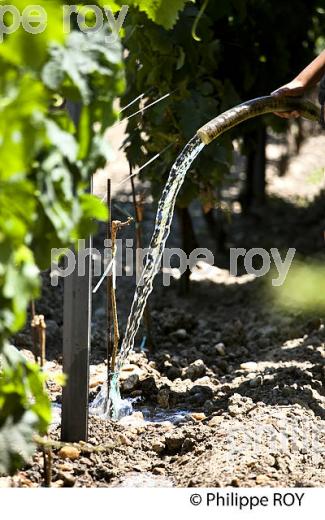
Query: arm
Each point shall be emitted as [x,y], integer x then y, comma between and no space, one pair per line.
[307,78]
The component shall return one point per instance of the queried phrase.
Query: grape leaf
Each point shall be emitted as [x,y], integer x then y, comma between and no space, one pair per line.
[162,12]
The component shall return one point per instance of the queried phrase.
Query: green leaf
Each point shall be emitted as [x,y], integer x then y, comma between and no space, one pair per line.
[92,207]
[162,12]
[16,442]
[64,141]
[84,55]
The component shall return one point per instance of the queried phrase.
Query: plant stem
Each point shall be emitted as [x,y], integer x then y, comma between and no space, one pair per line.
[115,227]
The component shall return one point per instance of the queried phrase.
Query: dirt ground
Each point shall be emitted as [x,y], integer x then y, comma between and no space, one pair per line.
[233,393]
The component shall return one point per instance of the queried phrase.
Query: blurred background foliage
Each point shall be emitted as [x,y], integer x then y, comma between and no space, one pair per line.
[304,288]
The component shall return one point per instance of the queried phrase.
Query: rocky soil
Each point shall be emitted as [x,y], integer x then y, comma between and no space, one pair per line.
[233,393]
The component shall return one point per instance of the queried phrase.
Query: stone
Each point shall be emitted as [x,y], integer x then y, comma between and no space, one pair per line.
[180,334]
[25,482]
[57,483]
[209,406]
[198,416]
[128,369]
[270,460]
[199,395]
[262,480]
[69,452]
[158,447]
[123,440]
[158,471]
[96,381]
[239,405]
[203,381]
[130,382]
[174,442]
[220,349]
[165,426]
[135,420]
[163,397]
[65,466]
[149,386]
[215,421]
[195,370]
[104,471]
[173,373]
[256,381]
[68,479]
[188,445]
[86,461]
[250,366]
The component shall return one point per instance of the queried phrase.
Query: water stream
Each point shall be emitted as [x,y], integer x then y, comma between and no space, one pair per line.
[115,407]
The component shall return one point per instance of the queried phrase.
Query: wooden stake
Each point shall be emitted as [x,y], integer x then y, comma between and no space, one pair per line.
[47,457]
[34,332]
[76,351]
[116,226]
[39,337]
[42,339]
[76,335]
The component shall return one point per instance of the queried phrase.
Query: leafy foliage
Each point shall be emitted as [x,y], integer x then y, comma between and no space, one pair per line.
[303,288]
[46,163]
[24,407]
[246,49]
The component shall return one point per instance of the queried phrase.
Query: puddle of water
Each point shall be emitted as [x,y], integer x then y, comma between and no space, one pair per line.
[128,407]
[150,415]
[159,415]
[147,480]
[98,407]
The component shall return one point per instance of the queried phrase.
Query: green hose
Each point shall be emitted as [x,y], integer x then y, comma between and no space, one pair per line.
[253,108]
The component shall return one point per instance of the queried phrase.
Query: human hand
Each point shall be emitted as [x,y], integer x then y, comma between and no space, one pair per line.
[294,88]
